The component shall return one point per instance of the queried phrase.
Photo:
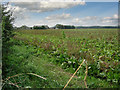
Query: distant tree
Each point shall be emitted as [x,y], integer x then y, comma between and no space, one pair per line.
[31,28]
[41,27]
[73,27]
[59,26]
[35,27]
[24,27]
[46,26]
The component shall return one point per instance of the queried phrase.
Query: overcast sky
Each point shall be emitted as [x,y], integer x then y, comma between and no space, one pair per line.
[69,13]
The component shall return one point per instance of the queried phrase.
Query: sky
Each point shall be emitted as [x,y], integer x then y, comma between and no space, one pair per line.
[78,13]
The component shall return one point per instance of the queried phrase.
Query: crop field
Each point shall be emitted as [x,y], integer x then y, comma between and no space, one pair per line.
[59,45]
[94,45]
[66,49]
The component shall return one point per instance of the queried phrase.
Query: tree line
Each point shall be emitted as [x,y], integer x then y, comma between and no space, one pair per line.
[57,26]
[60,26]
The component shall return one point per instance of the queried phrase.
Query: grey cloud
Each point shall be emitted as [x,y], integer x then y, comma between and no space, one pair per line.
[18,12]
[45,6]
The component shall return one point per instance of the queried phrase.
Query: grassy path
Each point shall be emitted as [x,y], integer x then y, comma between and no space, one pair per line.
[56,74]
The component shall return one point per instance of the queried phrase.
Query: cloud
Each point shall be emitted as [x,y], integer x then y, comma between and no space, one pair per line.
[107,21]
[18,12]
[58,17]
[94,21]
[90,18]
[20,15]
[112,20]
[115,16]
[76,21]
[68,19]
[44,6]
[105,18]
[23,8]
[82,2]
[84,20]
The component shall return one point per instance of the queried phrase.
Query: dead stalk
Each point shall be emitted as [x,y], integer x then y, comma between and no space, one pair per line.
[74,74]
[86,75]
[15,84]
[37,75]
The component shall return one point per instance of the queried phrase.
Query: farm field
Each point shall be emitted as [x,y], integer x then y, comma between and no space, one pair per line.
[59,45]
[56,54]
